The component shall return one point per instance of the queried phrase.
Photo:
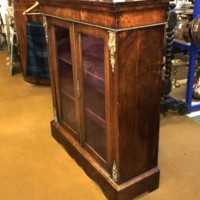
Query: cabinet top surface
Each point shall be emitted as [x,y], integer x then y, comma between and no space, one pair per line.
[105,1]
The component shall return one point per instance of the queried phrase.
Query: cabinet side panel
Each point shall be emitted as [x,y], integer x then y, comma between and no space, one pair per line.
[140,57]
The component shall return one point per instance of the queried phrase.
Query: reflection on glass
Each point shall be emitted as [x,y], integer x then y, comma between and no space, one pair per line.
[65,76]
[94,88]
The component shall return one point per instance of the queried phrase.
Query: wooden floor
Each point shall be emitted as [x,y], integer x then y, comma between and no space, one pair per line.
[33,166]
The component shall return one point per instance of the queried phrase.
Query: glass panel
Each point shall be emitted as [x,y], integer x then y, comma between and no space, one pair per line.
[94,88]
[65,76]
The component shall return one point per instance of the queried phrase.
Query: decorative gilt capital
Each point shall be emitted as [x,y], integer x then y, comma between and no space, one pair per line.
[55,114]
[45,27]
[112,48]
[114,172]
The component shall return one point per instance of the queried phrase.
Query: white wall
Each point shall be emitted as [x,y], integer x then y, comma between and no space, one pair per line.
[4,6]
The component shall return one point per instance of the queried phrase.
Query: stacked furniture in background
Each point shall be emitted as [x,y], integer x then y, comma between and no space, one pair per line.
[19,7]
[3,42]
[192,50]
[167,102]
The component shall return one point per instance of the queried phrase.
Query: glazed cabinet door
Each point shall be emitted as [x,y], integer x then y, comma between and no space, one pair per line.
[94,78]
[64,75]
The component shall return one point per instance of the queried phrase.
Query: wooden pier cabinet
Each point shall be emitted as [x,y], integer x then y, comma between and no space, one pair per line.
[105,60]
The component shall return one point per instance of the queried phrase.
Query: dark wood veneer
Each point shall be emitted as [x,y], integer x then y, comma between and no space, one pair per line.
[128,96]
[117,16]
[139,82]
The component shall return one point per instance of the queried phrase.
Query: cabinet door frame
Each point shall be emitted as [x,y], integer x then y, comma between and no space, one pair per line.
[70,26]
[102,34]
[50,42]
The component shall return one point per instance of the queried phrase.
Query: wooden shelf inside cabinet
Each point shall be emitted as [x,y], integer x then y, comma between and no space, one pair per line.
[93,69]
[95,83]
[93,110]
[68,90]
[117,112]
[94,72]
[91,63]
[65,57]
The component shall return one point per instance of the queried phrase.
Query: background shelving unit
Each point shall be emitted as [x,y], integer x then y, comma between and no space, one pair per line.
[192,50]
[2,33]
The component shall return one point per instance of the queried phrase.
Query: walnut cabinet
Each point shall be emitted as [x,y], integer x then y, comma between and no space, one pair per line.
[105,61]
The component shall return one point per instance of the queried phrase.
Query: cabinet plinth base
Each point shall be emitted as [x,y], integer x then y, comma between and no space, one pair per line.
[145,182]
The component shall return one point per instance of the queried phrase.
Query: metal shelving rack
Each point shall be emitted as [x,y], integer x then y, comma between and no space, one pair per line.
[192,49]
